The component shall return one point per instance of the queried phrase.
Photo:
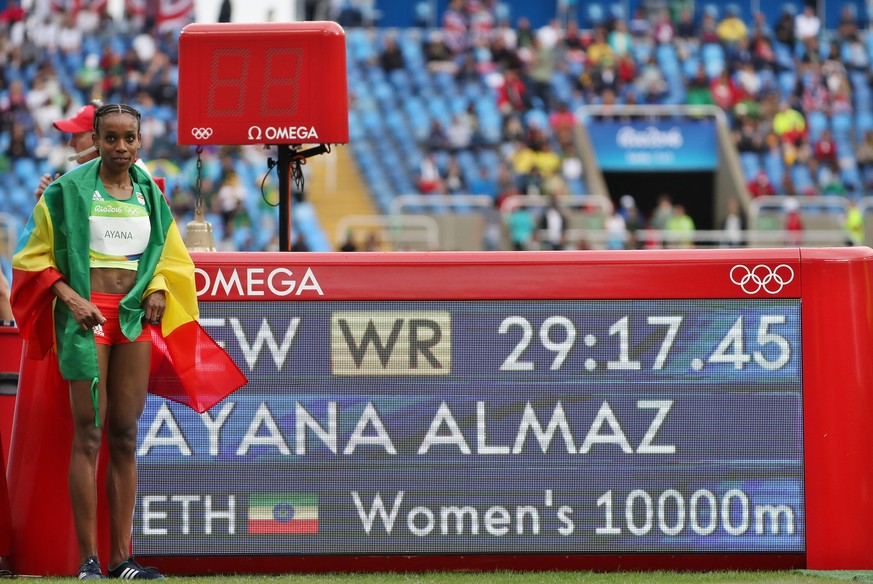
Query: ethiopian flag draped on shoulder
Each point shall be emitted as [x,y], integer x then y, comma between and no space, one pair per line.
[187,365]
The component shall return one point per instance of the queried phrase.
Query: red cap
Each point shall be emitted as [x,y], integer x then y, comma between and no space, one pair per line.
[83,121]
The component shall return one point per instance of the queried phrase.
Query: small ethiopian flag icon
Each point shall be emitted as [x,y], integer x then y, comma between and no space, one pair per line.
[283,513]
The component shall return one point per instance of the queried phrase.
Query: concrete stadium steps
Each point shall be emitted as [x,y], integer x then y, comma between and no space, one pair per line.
[335,188]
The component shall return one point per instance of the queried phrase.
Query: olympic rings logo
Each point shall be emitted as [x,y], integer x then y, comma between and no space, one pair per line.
[761,277]
[201,133]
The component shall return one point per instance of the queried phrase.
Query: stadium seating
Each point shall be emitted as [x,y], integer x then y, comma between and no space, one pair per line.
[391,114]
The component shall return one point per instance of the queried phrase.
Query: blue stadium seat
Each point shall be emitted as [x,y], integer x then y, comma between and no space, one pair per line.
[802,178]
[842,124]
[775,168]
[596,14]
[863,121]
[817,122]
[851,178]
[751,164]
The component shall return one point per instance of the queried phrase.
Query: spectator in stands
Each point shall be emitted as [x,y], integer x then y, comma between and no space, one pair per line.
[540,71]
[229,199]
[482,183]
[524,34]
[633,220]
[788,188]
[847,28]
[828,179]
[763,54]
[546,161]
[793,222]
[453,177]
[864,156]
[620,40]
[511,95]
[761,186]
[799,152]
[697,90]
[748,82]
[455,26]
[521,226]
[562,120]
[600,80]
[429,177]
[512,130]
[599,50]
[725,92]
[707,30]
[734,224]
[481,22]
[825,148]
[639,26]
[616,230]
[854,224]
[469,69]
[731,30]
[391,57]
[459,134]
[789,124]
[686,34]
[681,227]
[553,225]
[437,139]
[349,244]
[504,56]
[814,95]
[662,212]
[739,54]
[760,27]
[437,54]
[810,56]
[807,24]
[858,59]
[663,31]
[372,242]
[650,83]
[783,30]
[300,243]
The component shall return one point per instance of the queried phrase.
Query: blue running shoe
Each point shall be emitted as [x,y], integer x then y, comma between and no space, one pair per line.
[90,570]
[131,570]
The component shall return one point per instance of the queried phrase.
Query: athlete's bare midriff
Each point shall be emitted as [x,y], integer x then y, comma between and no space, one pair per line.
[112,280]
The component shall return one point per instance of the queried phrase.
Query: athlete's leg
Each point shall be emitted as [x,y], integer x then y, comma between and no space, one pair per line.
[82,478]
[127,383]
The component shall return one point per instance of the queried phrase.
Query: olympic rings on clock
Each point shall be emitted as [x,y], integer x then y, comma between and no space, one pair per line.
[761,277]
[201,133]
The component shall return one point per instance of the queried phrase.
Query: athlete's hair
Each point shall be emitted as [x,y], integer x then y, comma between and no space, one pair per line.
[115,108]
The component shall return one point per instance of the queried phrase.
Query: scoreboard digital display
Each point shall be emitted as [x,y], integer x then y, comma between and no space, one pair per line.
[638,410]
[516,426]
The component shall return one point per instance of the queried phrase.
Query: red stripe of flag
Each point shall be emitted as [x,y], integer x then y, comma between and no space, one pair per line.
[190,368]
[265,526]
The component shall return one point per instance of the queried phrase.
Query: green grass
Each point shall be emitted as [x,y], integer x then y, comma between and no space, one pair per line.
[785,577]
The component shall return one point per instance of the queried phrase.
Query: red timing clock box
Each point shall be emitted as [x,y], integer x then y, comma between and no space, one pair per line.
[265,83]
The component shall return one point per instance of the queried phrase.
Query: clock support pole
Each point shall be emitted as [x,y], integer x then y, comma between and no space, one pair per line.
[284,164]
[289,166]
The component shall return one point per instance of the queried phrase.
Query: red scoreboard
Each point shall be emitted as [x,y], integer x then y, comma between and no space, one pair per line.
[683,409]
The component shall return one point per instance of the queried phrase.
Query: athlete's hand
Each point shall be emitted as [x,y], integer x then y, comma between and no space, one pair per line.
[154,305]
[44,181]
[85,312]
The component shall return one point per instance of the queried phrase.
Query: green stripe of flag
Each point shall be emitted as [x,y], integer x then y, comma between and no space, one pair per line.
[273,499]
